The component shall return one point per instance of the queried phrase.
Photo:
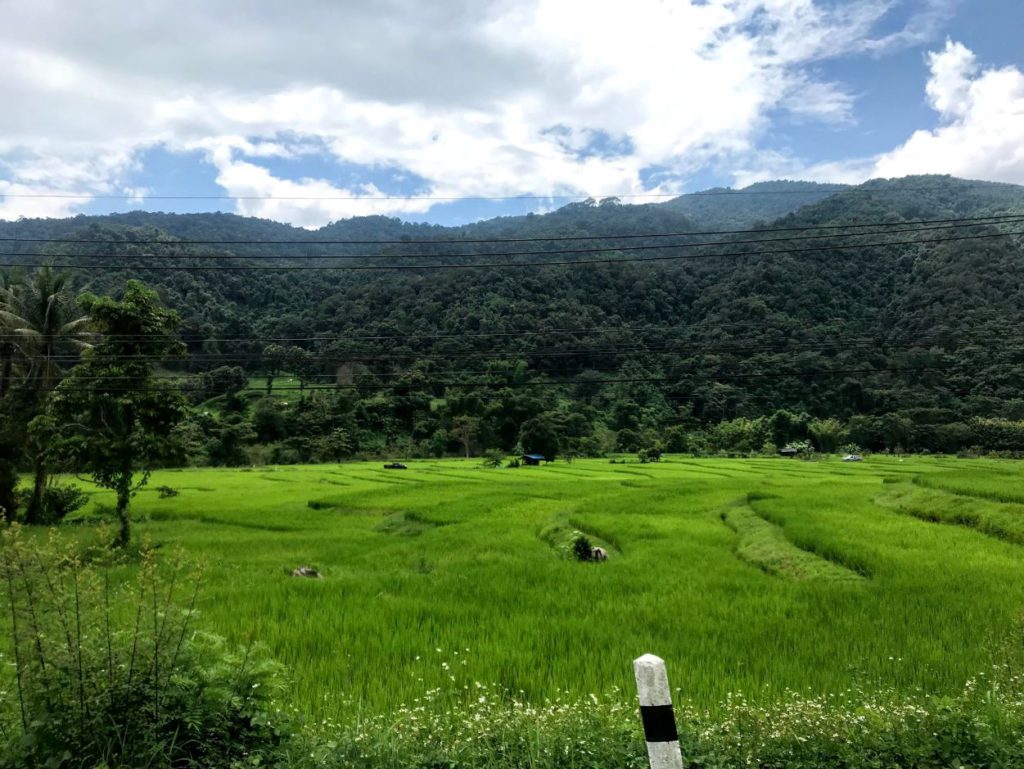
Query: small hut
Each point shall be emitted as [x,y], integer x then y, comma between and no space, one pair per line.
[533,459]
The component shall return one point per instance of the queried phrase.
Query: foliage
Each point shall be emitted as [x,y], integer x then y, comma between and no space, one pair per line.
[650,454]
[582,550]
[42,327]
[494,458]
[114,674]
[60,501]
[828,434]
[888,349]
[116,418]
[980,726]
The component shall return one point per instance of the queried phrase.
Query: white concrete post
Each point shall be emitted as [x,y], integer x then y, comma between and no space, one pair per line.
[656,713]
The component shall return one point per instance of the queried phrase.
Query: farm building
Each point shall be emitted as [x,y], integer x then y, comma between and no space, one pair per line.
[533,459]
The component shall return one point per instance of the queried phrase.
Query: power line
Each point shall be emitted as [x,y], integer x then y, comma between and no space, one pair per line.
[549,383]
[503,265]
[471,241]
[468,334]
[492,254]
[364,356]
[840,345]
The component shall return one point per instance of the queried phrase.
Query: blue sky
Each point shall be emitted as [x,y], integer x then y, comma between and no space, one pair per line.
[319,110]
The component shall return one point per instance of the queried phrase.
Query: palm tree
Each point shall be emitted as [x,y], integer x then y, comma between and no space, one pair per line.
[8,280]
[11,442]
[44,323]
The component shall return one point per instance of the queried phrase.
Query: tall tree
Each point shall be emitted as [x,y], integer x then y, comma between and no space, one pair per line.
[11,426]
[115,415]
[44,322]
[466,429]
[8,281]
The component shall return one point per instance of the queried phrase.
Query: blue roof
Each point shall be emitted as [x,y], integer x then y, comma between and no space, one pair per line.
[534,456]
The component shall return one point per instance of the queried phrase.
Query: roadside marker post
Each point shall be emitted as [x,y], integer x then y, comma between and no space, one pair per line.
[656,712]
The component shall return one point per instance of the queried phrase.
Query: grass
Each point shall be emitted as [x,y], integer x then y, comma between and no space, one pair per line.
[764,545]
[448,574]
[1000,520]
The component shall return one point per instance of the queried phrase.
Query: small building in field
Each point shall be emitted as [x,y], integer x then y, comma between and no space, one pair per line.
[789,451]
[533,459]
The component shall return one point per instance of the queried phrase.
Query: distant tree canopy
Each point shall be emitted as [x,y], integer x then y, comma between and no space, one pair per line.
[916,345]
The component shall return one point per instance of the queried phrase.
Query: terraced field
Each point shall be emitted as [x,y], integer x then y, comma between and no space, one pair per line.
[757,575]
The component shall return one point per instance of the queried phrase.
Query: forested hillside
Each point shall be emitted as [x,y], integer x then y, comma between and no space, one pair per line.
[886,315]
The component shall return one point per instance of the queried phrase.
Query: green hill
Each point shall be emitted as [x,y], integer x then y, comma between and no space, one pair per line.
[927,328]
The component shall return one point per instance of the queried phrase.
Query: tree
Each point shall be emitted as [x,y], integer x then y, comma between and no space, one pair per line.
[650,453]
[8,332]
[115,416]
[12,443]
[465,429]
[540,435]
[302,363]
[828,434]
[44,321]
[223,380]
[336,445]
[274,357]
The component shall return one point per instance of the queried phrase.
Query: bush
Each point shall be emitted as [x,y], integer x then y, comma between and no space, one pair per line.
[60,501]
[981,727]
[649,454]
[116,676]
[582,550]
[493,458]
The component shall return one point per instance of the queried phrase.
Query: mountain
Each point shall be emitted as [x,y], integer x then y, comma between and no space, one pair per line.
[725,208]
[911,322]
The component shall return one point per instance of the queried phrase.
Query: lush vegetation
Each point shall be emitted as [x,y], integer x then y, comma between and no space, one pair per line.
[895,343]
[452,627]
[112,673]
[747,575]
[475,612]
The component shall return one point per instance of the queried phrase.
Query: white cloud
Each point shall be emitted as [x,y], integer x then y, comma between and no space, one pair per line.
[305,203]
[981,135]
[460,93]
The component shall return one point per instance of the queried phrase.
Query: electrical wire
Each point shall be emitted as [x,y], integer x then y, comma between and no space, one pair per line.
[511,264]
[492,254]
[475,241]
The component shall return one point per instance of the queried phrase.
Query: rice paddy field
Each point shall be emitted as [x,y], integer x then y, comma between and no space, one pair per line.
[746,575]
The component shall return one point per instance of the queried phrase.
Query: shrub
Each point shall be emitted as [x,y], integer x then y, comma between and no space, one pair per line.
[493,458]
[116,676]
[60,501]
[582,550]
[981,727]
[166,492]
[649,454]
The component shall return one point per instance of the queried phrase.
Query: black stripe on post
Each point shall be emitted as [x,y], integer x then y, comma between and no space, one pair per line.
[659,723]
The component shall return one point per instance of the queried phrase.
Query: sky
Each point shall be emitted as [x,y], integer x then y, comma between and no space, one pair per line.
[449,111]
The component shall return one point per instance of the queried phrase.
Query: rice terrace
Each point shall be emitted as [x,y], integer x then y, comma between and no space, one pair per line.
[747,575]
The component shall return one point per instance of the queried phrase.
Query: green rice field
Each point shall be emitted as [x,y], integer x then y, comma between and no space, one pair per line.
[751,575]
